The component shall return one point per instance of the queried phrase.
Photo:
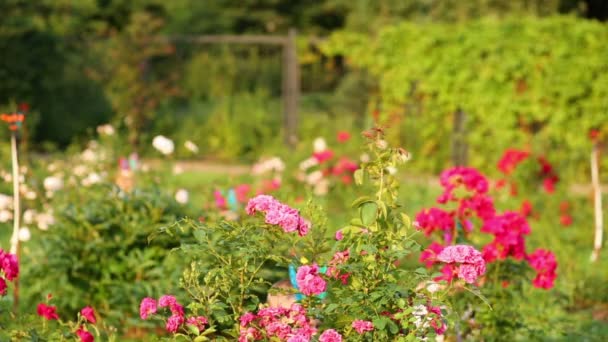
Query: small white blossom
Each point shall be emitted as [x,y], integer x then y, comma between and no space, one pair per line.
[382,144]
[5,216]
[308,163]
[163,144]
[29,216]
[314,177]
[24,234]
[191,146]
[106,129]
[6,202]
[319,145]
[182,196]
[53,183]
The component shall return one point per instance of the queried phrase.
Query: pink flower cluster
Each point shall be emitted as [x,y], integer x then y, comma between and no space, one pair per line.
[9,267]
[277,323]
[338,259]
[149,306]
[309,281]
[434,219]
[543,261]
[471,263]
[362,326]
[511,158]
[469,178]
[509,228]
[278,213]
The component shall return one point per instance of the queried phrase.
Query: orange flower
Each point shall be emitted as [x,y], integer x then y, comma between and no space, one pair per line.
[13,120]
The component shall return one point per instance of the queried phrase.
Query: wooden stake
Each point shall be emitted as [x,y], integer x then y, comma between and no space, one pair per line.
[597,201]
[16,212]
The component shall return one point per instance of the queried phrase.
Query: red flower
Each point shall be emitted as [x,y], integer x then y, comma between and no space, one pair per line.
[84,335]
[89,314]
[23,107]
[526,208]
[47,311]
[565,220]
[594,135]
[343,136]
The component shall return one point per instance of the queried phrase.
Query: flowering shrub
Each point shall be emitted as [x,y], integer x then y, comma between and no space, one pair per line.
[9,269]
[348,288]
[99,253]
[469,216]
[48,325]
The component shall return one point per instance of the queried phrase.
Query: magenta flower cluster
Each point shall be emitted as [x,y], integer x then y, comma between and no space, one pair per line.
[468,188]
[543,261]
[277,323]
[149,306]
[9,267]
[470,262]
[279,214]
[310,281]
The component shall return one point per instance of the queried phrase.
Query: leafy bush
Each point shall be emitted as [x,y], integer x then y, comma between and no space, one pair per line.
[97,253]
[520,81]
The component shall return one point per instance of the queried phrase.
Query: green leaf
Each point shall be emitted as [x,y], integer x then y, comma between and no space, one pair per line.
[359,201]
[406,220]
[369,213]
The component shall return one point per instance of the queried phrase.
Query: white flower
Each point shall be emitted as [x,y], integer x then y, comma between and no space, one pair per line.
[314,177]
[433,287]
[52,167]
[321,188]
[364,158]
[163,144]
[6,202]
[272,164]
[80,170]
[106,129]
[420,310]
[24,234]
[31,195]
[5,215]
[191,146]
[44,220]
[53,183]
[88,155]
[319,145]
[310,162]
[178,169]
[182,196]
[382,144]
[391,170]
[29,216]
[92,178]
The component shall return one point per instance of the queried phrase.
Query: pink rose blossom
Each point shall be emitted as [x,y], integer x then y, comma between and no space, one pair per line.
[308,280]
[198,322]
[279,214]
[339,235]
[174,322]
[47,311]
[147,307]
[89,314]
[362,326]
[84,335]
[298,338]
[330,335]
[472,264]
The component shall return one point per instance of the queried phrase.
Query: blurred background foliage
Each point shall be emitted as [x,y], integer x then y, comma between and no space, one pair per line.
[514,64]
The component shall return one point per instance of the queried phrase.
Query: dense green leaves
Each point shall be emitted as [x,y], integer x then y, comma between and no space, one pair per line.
[520,82]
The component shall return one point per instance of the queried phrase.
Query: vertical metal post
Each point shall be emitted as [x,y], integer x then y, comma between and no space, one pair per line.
[291,88]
